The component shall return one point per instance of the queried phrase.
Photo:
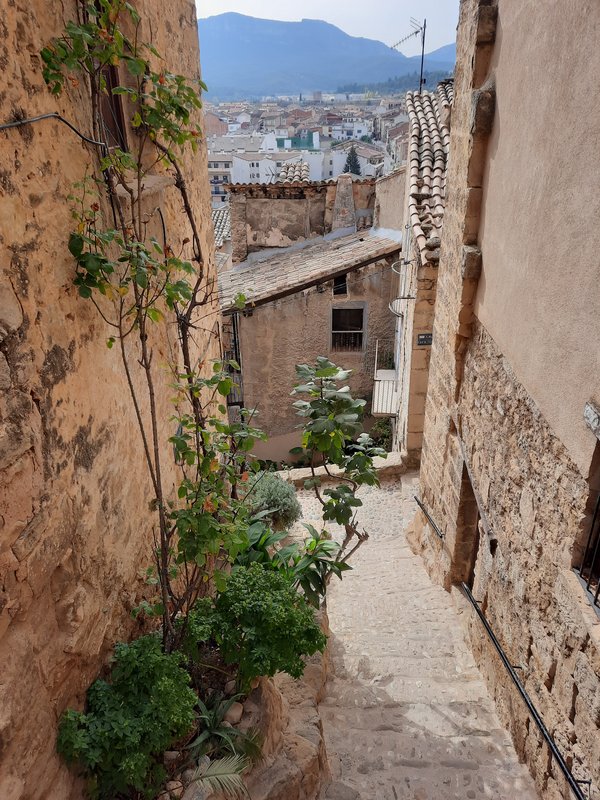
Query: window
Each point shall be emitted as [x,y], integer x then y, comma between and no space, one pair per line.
[111,110]
[347,328]
[279,163]
[340,285]
[330,173]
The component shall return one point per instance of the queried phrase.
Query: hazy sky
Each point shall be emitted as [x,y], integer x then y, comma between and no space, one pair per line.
[385,20]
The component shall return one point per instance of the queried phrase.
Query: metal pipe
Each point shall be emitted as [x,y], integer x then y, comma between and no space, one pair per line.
[573,784]
[429,517]
[422,54]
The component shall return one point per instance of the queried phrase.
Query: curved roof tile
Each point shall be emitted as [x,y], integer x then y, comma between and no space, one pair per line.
[427,161]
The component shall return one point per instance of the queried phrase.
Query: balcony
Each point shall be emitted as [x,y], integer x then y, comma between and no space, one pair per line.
[385,385]
[346,341]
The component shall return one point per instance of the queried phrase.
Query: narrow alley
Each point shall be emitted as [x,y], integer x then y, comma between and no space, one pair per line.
[407,715]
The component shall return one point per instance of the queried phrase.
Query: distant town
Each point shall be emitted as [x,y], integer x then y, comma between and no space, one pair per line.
[287,139]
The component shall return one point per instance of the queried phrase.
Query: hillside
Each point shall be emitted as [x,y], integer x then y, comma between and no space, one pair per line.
[244,56]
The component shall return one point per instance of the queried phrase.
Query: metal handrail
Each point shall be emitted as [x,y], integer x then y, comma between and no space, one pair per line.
[573,783]
[430,519]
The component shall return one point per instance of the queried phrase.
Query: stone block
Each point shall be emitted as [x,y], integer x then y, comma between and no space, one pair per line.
[471,263]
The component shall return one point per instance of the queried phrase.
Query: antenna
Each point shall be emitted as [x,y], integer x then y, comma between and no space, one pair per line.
[418,30]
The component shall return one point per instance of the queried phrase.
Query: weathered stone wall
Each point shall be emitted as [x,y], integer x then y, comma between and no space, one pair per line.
[296,330]
[277,215]
[75,525]
[503,488]
[532,500]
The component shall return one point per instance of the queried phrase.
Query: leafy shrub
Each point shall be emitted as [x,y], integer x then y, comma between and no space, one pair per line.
[264,625]
[311,564]
[307,565]
[130,721]
[268,492]
[381,433]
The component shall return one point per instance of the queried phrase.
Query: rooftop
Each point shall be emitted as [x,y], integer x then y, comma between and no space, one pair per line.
[294,172]
[231,144]
[427,161]
[269,278]
[221,220]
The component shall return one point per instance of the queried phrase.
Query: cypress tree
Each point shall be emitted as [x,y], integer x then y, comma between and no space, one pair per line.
[352,163]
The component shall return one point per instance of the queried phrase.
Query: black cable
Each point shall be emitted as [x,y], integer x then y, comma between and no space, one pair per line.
[18,123]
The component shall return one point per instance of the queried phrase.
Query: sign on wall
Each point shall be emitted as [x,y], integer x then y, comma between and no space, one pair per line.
[424,338]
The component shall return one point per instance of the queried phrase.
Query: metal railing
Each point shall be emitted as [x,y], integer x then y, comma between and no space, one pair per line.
[589,569]
[347,340]
[439,533]
[574,784]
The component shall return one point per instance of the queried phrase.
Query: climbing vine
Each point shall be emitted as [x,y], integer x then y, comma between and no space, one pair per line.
[219,585]
[138,284]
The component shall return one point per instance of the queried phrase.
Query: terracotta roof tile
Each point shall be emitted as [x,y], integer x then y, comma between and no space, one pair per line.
[427,161]
[221,220]
[293,270]
[294,172]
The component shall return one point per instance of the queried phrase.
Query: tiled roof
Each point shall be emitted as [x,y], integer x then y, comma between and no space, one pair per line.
[221,220]
[294,172]
[427,161]
[263,281]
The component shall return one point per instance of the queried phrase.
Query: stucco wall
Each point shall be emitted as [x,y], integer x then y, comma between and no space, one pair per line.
[75,529]
[296,330]
[539,236]
[389,200]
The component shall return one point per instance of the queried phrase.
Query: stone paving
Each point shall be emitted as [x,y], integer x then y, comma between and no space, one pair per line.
[407,715]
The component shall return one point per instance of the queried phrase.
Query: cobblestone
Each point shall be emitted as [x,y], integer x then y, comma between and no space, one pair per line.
[407,715]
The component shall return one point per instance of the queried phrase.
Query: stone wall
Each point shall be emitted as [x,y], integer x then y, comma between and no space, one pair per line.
[75,525]
[277,215]
[500,484]
[532,501]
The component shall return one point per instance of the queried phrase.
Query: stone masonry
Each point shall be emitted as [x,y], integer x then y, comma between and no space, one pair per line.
[506,493]
[75,535]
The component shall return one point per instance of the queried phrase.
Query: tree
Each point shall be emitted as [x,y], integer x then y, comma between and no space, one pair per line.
[352,163]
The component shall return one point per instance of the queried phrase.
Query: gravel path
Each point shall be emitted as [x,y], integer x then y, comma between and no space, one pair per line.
[407,715]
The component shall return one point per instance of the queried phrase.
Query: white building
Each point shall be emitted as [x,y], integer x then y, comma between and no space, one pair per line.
[351,129]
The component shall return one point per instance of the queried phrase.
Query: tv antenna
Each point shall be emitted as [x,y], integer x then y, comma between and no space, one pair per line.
[418,30]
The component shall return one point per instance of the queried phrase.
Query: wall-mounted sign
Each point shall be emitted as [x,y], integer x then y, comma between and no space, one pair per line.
[424,338]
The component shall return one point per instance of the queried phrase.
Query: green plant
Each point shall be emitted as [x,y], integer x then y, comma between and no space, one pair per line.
[311,564]
[216,739]
[333,436]
[261,545]
[307,565]
[143,289]
[130,720]
[268,492]
[264,625]
[352,163]
[381,433]
[223,775]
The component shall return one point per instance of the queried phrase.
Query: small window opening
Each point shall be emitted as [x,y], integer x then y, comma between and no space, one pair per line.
[340,285]
[347,329]
[111,110]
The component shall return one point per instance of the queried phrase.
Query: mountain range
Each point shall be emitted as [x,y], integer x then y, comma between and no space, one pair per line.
[246,57]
